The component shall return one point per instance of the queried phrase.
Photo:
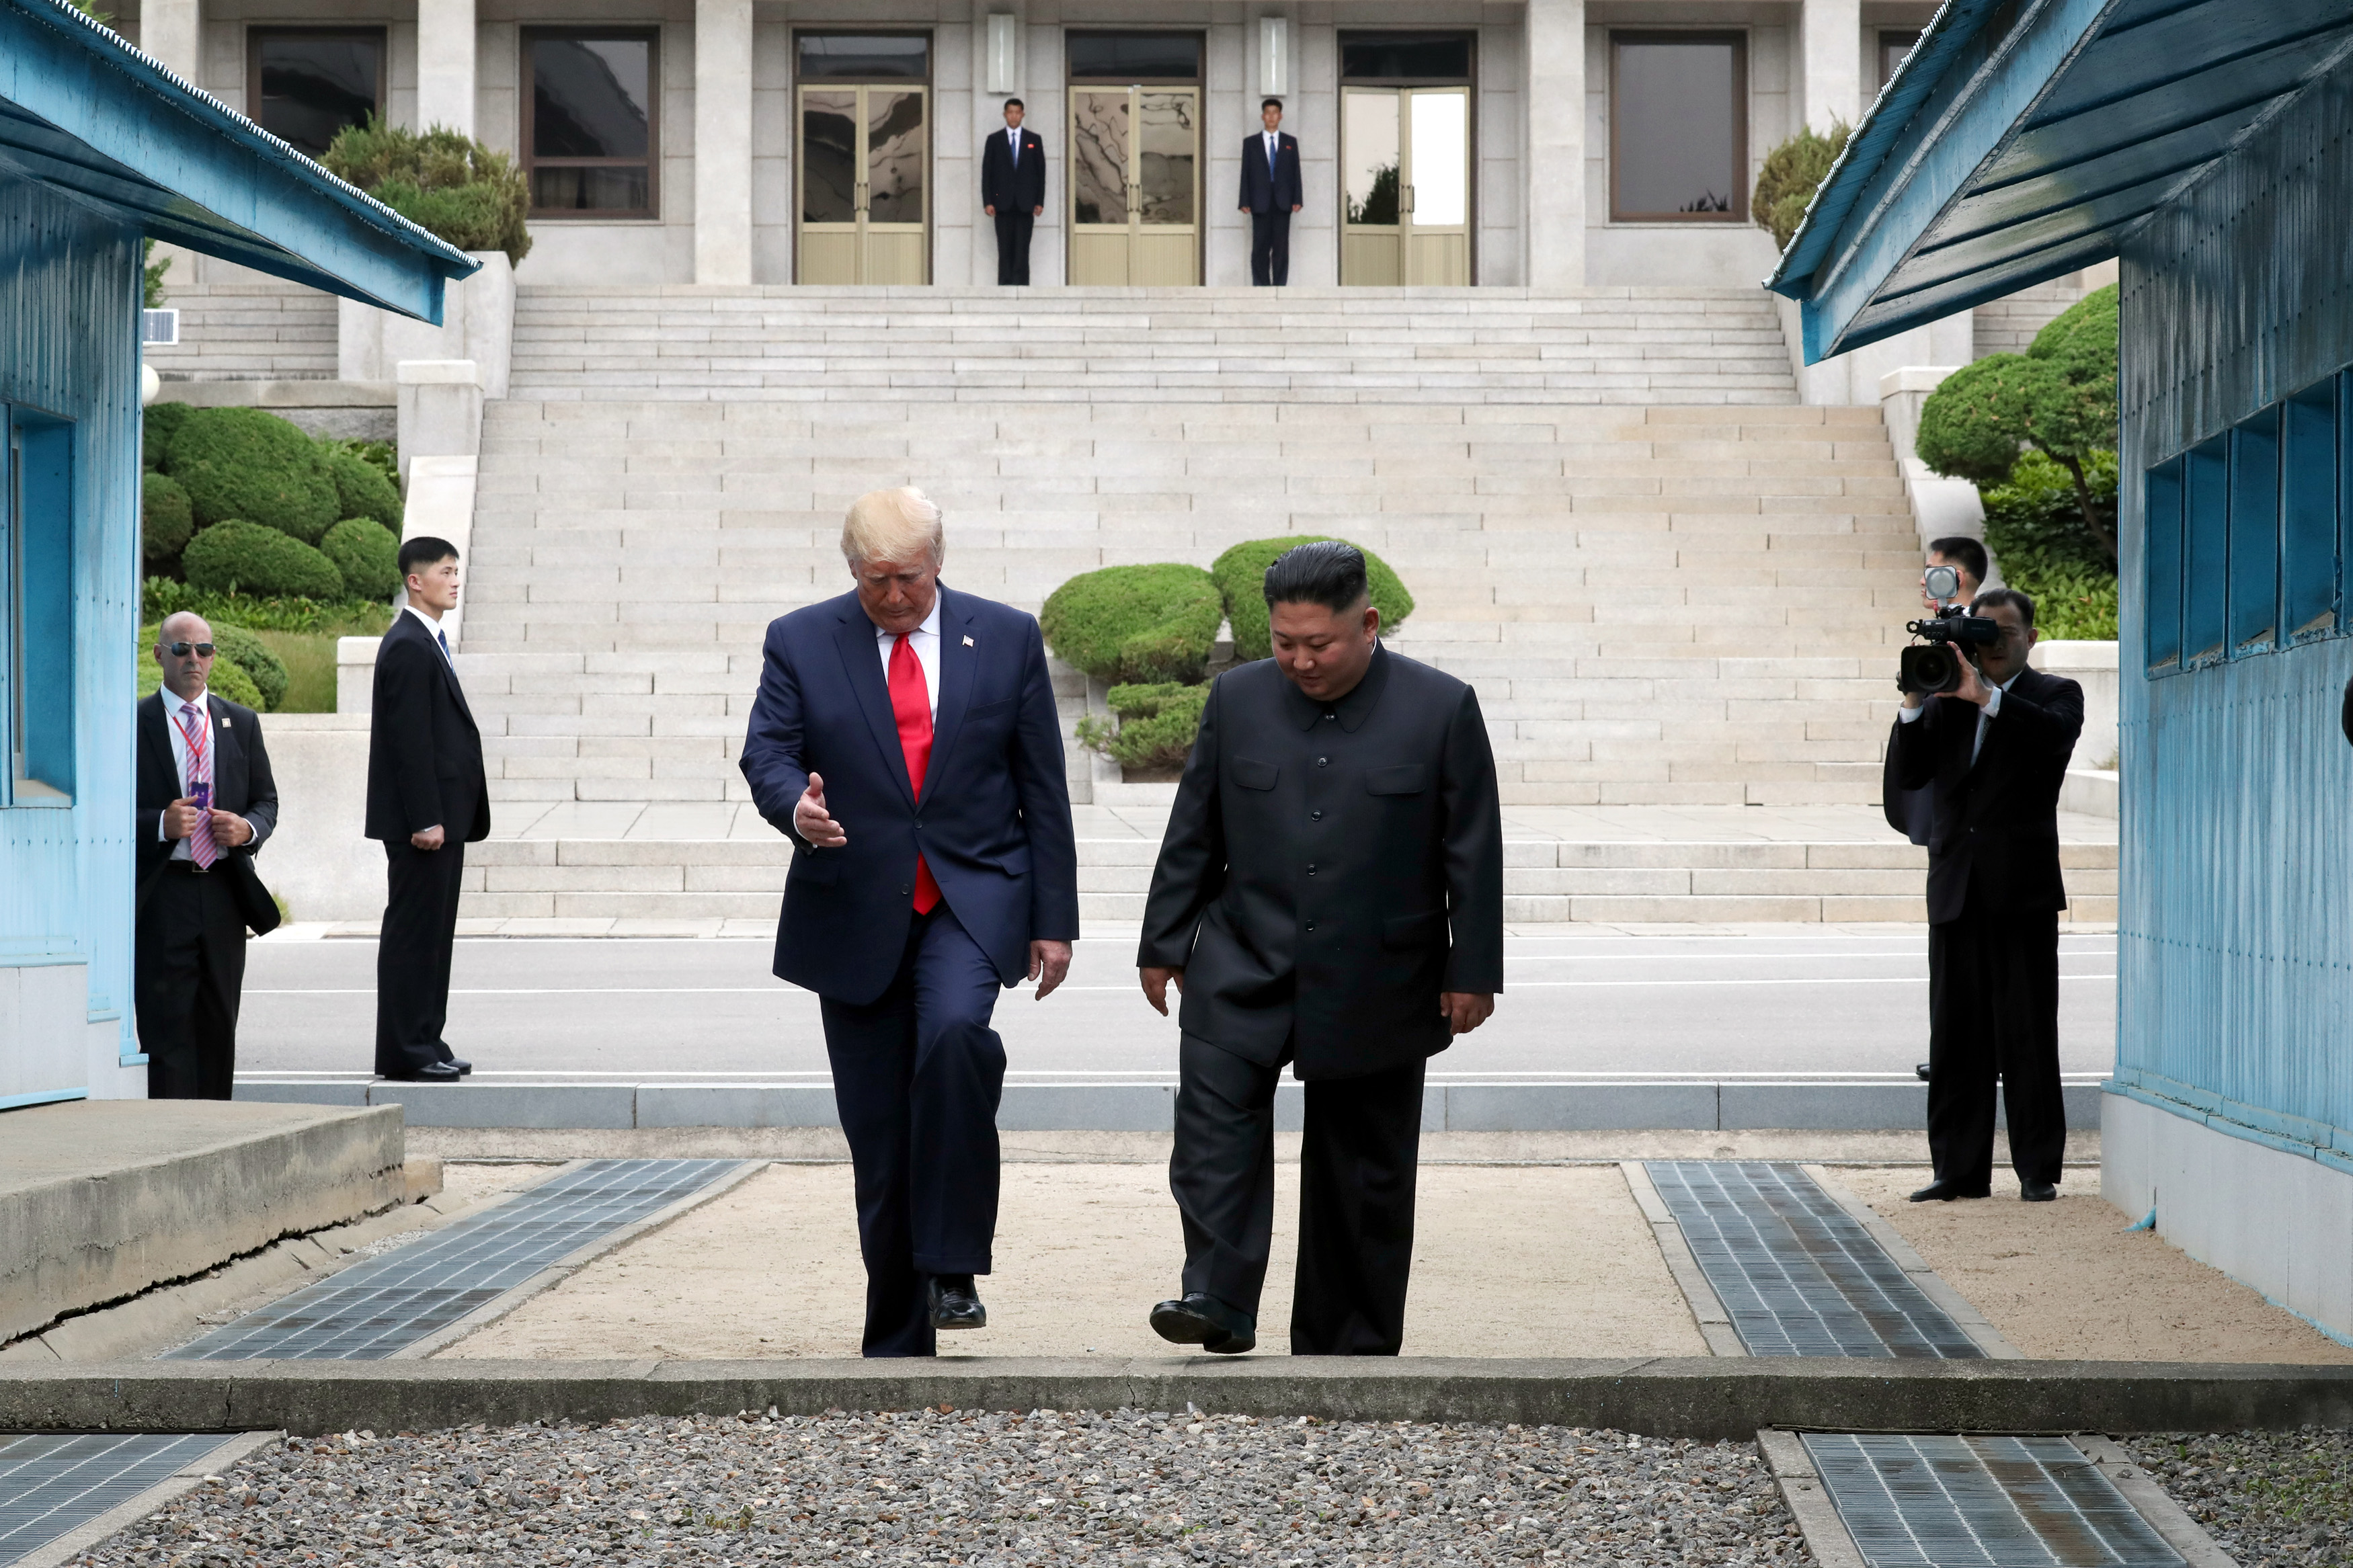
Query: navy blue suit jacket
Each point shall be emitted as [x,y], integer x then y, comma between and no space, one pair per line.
[1277,190]
[994,821]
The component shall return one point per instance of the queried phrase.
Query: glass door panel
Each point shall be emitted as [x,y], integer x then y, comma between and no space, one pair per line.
[1135,193]
[863,158]
[1372,242]
[1437,185]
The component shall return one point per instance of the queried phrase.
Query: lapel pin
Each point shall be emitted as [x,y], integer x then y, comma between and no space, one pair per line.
[224,721]
[968,642]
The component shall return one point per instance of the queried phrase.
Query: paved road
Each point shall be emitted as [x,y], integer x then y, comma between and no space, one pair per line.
[1778,1004]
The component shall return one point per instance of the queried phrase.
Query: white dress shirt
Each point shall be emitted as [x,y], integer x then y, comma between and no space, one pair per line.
[179,737]
[433,630]
[1272,145]
[926,640]
[1986,715]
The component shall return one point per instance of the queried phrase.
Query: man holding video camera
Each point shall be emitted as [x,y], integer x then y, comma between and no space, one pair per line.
[1992,738]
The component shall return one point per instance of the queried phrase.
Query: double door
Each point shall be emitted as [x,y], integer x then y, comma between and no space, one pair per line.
[863,156]
[1136,185]
[1407,156]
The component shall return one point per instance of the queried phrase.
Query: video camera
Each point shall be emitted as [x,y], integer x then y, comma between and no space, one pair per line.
[1934,665]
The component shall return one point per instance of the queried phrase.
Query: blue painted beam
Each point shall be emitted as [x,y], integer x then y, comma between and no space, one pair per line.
[1890,218]
[2250,83]
[208,166]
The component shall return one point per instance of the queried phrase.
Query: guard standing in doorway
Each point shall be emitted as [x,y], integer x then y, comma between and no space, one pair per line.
[1013,191]
[1272,192]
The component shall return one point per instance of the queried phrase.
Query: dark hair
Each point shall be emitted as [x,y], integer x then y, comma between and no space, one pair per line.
[1017,103]
[1963,552]
[424,550]
[1993,598]
[1267,104]
[1327,572]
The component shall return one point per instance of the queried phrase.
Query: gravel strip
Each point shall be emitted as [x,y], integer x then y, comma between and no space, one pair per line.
[934,1486]
[2281,1498]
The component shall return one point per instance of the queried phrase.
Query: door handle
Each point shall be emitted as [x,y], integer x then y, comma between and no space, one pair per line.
[1407,203]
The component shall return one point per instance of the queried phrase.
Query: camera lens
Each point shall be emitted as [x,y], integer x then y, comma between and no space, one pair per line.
[1929,669]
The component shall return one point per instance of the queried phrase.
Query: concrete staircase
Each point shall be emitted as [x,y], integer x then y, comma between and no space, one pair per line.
[1669,597]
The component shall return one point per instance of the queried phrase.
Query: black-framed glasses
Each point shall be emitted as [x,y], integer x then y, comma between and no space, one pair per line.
[181,649]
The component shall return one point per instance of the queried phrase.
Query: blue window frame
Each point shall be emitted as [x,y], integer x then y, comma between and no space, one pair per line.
[2255,532]
[37,686]
[2205,550]
[2161,555]
[2308,512]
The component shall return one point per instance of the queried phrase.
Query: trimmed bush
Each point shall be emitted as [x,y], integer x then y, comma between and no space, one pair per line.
[361,488]
[253,467]
[232,556]
[165,520]
[257,659]
[442,181]
[367,554]
[161,597]
[1240,575]
[228,678]
[1128,624]
[1157,725]
[1790,176]
[156,430]
[2034,526]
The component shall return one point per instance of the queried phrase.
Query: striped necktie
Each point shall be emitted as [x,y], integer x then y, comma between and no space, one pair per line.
[200,780]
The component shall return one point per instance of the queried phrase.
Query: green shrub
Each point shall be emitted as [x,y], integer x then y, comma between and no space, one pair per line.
[161,597]
[361,490]
[1135,623]
[227,680]
[442,181]
[165,520]
[1240,574]
[2034,527]
[381,456]
[257,659]
[1791,174]
[251,465]
[150,277]
[162,423]
[1157,725]
[232,556]
[367,554]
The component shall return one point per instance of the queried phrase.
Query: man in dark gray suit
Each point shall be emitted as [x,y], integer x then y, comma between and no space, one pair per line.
[1330,895]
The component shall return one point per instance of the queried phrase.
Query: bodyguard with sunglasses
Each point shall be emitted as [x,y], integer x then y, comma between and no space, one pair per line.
[206,802]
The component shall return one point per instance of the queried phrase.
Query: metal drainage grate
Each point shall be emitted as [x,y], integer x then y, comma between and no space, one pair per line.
[371,1310]
[1982,1502]
[1797,1274]
[50,1485]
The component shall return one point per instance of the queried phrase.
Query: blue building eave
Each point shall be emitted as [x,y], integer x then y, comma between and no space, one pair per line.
[84,113]
[2027,139]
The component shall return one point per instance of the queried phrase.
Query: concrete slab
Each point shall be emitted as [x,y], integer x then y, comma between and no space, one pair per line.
[102,1199]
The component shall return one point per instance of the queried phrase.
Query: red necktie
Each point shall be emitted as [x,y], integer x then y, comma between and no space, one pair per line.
[911,704]
[200,771]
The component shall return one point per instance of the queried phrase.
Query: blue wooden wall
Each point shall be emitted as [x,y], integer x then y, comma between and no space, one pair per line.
[69,282]
[2236,919]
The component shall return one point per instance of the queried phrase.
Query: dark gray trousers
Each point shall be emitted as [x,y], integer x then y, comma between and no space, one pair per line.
[1993,1010]
[1357,1165]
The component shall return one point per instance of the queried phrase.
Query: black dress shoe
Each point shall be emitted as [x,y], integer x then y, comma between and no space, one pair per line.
[2039,1191]
[1921,1072]
[463,1066]
[1200,1319]
[431,1072]
[1941,1191]
[955,1302]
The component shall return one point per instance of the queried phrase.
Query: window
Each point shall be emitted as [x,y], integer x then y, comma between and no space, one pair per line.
[1404,57]
[2308,511]
[1136,57]
[2254,532]
[305,85]
[2205,549]
[1678,127]
[845,57]
[1892,47]
[2161,513]
[590,145]
[36,660]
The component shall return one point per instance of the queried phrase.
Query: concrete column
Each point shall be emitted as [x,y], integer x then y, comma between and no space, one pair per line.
[1555,171]
[722,142]
[170,30]
[445,64]
[1833,51]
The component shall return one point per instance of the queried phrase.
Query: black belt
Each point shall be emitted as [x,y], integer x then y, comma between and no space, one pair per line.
[188,868]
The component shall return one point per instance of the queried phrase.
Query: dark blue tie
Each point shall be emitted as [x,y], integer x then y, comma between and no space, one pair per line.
[443,638]
[1270,157]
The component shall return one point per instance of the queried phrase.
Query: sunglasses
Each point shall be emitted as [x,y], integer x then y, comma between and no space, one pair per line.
[182,649]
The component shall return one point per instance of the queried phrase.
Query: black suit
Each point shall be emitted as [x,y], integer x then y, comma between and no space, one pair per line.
[190,924]
[425,768]
[1994,898]
[1016,190]
[1328,871]
[1268,195]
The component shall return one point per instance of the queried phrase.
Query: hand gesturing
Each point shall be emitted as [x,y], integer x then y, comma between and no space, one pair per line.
[810,819]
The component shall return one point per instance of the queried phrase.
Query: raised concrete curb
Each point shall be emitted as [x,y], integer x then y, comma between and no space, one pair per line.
[1701,1397]
[102,1199]
[1497,1107]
